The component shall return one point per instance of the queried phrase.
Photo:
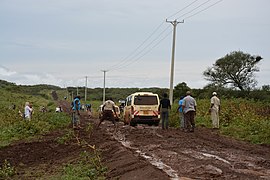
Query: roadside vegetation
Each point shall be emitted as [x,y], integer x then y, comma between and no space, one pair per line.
[88,167]
[6,170]
[244,115]
[243,119]
[13,126]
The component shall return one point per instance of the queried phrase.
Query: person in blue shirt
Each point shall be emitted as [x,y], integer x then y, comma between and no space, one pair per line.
[76,107]
[181,114]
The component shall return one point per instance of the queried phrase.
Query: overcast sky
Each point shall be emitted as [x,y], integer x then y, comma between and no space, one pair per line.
[59,42]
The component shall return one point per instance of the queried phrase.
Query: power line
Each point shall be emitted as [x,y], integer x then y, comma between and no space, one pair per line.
[203,9]
[133,52]
[181,9]
[126,59]
[145,53]
[194,9]
[141,50]
[128,62]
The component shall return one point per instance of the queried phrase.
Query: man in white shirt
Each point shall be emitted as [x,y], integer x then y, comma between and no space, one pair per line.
[28,111]
[108,109]
[215,108]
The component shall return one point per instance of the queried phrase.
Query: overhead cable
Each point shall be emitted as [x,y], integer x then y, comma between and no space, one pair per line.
[142,55]
[181,9]
[203,9]
[133,52]
[144,48]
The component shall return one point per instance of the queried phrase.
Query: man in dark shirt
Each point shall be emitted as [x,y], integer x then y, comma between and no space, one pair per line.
[163,108]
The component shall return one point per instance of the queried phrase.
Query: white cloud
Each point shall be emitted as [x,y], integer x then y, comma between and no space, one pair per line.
[28,78]
[6,72]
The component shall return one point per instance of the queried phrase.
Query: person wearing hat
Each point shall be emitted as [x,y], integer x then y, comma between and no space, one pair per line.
[75,112]
[214,109]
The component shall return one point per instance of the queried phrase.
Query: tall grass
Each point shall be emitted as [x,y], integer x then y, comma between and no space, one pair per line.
[240,118]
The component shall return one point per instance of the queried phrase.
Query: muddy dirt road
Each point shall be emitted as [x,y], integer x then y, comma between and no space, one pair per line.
[144,152]
[203,154]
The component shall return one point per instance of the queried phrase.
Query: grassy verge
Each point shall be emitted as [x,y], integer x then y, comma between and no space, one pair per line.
[6,170]
[239,118]
[88,167]
[41,123]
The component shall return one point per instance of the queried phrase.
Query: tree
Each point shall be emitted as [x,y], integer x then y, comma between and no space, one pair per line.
[180,90]
[235,69]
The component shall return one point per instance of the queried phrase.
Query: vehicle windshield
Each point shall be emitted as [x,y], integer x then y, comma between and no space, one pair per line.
[145,100]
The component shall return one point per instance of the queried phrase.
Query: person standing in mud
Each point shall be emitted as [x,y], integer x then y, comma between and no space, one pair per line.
[214,109]
[75,108]
[108,111]
[28,110]
[163,108]
[181,114]
[189,109]
[89,110]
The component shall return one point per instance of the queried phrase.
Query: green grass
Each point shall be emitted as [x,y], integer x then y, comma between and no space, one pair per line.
[239,118]
[41,123]
[6,170]
[88,167]
[69,134]
[14,127]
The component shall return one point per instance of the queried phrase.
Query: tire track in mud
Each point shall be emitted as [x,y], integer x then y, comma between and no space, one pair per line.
[200,155]
[122,162]
[154,161]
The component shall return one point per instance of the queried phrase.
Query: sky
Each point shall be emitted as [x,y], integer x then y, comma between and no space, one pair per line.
[61,42]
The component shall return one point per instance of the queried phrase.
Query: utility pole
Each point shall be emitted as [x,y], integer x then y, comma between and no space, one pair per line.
[77,90]
[174,23]
[85,89]
[104,71]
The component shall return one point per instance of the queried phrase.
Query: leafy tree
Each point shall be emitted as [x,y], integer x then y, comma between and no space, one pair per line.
[266,88]
[180,90]
[235,69]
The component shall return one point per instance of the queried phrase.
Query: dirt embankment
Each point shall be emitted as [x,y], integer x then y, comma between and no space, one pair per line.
[144,152]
